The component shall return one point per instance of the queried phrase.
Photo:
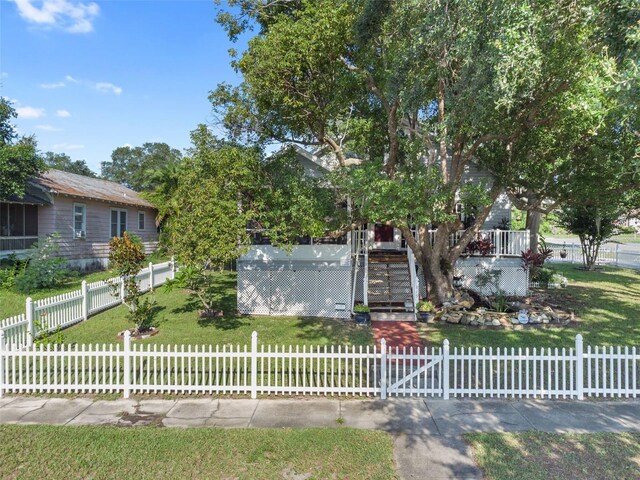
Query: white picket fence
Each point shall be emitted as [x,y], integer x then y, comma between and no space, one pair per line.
[572,373]
[66,309]
[609,254]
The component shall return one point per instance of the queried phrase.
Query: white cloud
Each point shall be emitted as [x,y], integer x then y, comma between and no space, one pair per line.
[63,113]
[48,128]
[106,87]
[126,145]
[52,85]
[30,112]
[67,146]
[103,87]
[69,15]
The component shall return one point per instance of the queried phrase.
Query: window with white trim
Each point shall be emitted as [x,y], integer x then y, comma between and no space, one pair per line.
[79,220]
[140,220]
[118,222]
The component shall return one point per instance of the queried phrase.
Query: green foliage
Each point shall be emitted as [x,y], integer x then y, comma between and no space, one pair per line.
[18,158]
[294,204]
[425,306]
[45,337]
[216,199]
[390,89]
[62,161]
[43,269]
[137,167]
[197,281]
[593,225]
[361,308]
[10,268]
[126,257]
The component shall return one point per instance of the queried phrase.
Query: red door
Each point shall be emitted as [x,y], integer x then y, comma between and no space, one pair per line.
[383,233]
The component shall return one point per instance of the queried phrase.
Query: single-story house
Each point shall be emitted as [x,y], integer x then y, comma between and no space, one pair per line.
[86,212]
[373,265]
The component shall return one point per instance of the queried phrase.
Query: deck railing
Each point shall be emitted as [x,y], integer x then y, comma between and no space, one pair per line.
[11,244]
[504,243]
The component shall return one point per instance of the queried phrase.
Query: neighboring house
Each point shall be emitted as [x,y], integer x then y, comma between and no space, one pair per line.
[371,265]
[86,212]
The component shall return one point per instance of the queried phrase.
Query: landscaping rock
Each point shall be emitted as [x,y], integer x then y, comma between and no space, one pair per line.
[495,322]
[466,300]
[454,317]
[514,321]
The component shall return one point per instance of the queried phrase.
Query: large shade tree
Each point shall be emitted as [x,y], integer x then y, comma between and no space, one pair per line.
[405,94]
[62,161]
[138,167]
[18,156]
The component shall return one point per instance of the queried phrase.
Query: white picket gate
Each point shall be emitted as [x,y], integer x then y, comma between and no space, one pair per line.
[254,369]
[66,309]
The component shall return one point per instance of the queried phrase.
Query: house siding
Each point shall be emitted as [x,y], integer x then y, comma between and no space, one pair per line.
[501,208]
[59,218]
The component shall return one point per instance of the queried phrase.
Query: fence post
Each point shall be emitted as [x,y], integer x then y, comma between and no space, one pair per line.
[127,364]
[85,300]
[254,364]
[617,252]
[30,327]
[173,268]
[122,290]
[445,369]
[498,245]
[2,349]
[579,367]
[383,369]
[150,276]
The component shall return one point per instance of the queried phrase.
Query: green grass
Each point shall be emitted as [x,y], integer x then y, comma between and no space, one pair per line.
[540,456]
[178,321]
[37,451]
[608,302]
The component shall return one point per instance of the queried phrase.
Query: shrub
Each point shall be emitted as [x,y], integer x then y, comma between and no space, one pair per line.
[199,282]
[44,269]
[482,246]
[126,256]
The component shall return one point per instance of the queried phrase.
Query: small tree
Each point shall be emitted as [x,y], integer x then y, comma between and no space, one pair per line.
[127,256]
[593,225]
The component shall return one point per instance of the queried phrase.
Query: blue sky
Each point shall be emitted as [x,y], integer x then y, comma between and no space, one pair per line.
[87,77]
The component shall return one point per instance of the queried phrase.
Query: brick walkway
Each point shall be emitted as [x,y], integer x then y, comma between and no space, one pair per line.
[397,334]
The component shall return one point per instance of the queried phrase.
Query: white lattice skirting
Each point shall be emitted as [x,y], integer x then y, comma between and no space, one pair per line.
[284,291]
[511,279]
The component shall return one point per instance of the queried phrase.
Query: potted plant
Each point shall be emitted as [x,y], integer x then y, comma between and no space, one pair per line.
[361,314]
[563,252]
[425,310]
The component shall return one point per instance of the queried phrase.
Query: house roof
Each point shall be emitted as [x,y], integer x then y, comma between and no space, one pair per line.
[80,186]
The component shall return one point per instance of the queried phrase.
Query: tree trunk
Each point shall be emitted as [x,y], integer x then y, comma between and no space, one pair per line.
[534,218]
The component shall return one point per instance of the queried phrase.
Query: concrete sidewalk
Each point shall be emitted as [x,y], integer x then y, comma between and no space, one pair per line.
[427,432]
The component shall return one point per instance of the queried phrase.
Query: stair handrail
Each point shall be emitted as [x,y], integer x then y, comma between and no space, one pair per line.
[358,252]
[414,278]
[365,287]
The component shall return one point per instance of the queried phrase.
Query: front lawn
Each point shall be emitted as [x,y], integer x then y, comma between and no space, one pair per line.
[539,456]
[178,321]
[608,301]
[40,451]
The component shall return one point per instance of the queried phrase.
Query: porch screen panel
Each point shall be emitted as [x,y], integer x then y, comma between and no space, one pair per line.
[30,220]
[4,219]
[16,220]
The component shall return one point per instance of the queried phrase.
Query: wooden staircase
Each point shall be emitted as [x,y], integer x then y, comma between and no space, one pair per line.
[389,287]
